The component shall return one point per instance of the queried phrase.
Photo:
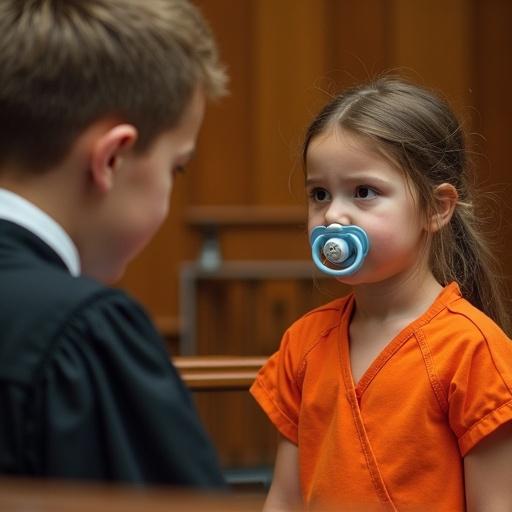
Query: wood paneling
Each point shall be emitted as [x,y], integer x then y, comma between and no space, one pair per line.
[359,41]
[289,49]
[224,168]
[492,76]
[285,58]
[429,40]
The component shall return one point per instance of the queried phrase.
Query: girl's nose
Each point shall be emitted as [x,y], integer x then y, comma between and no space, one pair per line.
[337,213]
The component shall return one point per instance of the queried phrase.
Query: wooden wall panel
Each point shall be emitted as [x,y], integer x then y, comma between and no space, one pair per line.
[241,432]
[285,58]
[248,317]
[492,75]
[224,166]
[289,50]
[429,39]
[359,41]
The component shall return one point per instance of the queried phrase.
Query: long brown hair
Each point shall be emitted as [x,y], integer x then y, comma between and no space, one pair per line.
[418,131]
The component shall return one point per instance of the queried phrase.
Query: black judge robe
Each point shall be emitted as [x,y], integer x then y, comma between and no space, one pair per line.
[87,390]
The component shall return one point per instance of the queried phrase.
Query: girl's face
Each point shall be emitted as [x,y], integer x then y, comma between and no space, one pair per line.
[349,182]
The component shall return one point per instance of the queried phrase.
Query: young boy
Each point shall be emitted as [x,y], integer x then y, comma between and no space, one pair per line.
[100,105]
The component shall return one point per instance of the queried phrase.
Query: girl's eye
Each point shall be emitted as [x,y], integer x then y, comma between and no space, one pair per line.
[320,195]
[365,192]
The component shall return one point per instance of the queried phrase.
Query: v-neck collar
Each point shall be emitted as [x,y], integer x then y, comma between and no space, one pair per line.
[447,295]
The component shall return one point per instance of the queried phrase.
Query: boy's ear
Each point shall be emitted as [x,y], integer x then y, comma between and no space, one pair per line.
[446,197]
[107,154]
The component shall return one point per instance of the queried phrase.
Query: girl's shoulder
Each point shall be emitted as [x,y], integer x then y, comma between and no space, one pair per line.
[460,320]
[461,339]
[468,358]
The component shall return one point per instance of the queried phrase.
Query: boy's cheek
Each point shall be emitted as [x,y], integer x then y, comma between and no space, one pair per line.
[140,231]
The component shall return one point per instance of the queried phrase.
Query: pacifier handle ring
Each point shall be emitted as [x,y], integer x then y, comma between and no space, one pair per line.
[344,271]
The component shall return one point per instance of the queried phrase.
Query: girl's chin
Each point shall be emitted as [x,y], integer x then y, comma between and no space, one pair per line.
[352,280]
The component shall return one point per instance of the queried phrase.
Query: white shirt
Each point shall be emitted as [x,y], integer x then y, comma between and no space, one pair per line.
[16,209]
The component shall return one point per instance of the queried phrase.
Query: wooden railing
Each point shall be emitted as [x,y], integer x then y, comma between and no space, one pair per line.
[235,216]
[218,373]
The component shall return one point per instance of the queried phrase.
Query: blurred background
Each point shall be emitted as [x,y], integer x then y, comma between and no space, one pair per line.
[229,270]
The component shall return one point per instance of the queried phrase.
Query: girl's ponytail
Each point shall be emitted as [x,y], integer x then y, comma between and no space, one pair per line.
[461,253]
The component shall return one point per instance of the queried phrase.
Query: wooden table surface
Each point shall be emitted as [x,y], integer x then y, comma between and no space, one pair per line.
[23,495]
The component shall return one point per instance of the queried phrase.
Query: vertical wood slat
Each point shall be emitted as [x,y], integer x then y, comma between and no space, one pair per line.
[430,39]
[222,170]
[358,45]
[289,54]
[493,75]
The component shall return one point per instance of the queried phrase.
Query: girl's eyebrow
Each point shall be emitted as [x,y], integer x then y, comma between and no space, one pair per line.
[356,178]
[312,181]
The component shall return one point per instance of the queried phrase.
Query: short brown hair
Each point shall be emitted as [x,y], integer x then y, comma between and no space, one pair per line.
[67,63]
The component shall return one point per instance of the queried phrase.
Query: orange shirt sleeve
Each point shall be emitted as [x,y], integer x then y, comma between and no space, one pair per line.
[479,392]
[277,391]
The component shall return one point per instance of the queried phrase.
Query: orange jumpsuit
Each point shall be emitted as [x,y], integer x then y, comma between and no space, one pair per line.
[396,440]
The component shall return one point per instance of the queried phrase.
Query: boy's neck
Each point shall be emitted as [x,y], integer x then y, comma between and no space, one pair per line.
[403,296]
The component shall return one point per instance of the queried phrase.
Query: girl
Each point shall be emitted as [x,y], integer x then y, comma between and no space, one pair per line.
[398,396]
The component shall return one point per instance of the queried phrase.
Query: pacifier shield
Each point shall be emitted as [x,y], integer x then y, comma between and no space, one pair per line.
[343,248]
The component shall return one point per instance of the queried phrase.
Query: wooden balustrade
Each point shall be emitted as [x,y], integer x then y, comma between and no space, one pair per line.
[243,436]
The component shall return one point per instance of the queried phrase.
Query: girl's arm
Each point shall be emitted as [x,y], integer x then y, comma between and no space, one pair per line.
[488,473]
[284,494]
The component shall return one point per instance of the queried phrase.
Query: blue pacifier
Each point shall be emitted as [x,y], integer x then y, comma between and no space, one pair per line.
[344,247]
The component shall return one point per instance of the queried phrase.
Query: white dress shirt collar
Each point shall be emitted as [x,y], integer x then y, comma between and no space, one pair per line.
[16,209]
